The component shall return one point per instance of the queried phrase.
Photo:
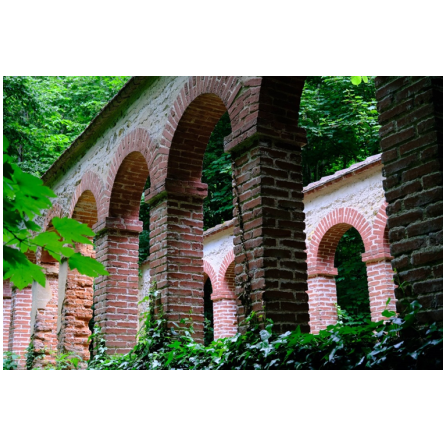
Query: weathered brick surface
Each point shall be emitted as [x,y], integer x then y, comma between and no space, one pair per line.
[116,295]
[322,300]
[269,234]
[176,252]
[19,331]
[76,311]
[44,330]
[411,112]
[7,294]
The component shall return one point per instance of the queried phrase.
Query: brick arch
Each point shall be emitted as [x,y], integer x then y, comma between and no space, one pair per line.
[380,245]
[279,104]
[228,259]
[127,174]
[210,273]
[327,234]
[55,211]
[196,110]
[90,186]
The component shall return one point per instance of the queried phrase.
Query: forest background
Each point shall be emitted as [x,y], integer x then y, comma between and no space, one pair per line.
[43,115]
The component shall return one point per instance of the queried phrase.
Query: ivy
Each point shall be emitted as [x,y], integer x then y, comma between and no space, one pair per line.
[392,344]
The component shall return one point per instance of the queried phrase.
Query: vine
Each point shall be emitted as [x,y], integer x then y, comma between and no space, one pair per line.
[245,296]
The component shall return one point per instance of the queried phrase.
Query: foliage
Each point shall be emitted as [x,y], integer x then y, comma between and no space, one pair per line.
[31,354]
[24,196]
[42,115]
[341,121]
[217,206]
[208,313]
[10,361]
[393,344]
[64,361]
[351,282]
[144,236]
[356,80]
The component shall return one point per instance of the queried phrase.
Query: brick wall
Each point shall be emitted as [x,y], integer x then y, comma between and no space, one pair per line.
[19,332]
[44,330]
[411,115]
[269,235]
[7,293]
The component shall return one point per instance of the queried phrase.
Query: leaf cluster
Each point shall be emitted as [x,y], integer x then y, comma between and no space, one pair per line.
[24,197]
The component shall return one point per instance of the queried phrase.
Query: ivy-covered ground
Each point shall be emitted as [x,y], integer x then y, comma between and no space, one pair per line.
[397,343]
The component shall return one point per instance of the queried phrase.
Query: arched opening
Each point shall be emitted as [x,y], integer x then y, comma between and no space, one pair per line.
[208,313]
[322,272]
[182,210]
[217,174]
[76,320]
[118,296]
[351,282]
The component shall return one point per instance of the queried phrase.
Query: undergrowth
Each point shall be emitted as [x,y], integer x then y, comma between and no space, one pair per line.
[396,343]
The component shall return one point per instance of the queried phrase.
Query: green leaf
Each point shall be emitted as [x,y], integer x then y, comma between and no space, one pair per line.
[356,80]
[365,79]
[387,313]
[86,265]
[5,143]
[19,269]
[72,231]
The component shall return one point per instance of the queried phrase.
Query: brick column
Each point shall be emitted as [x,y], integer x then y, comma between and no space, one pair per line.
[116,295]
[225,301]
[76,310]
[269,239]
[322,298]
[19,332]
[381,285]
[411,115]
[225,316]
[176,250]
[44,315]
[7,292]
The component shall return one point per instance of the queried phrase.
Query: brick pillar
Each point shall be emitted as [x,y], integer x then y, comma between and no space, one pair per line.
[411,115]
[7,293]
[225,316]
[176,250]
[76,310]
[116,295]
[19,332]
[322,299]
[44,315]
[381,285]
[269,239]
[225,304]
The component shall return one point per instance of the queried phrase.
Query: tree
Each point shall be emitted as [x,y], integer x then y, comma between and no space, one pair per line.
[42,115]
[341,121]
